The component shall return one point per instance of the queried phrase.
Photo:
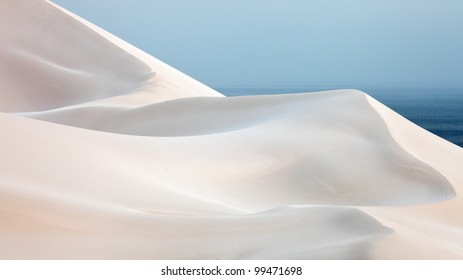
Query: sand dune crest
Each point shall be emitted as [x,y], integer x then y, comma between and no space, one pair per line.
[107,152]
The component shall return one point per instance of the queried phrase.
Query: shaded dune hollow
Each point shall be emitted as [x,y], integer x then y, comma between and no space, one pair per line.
[108,153]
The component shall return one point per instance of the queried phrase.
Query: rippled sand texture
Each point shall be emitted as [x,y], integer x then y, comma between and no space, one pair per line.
[106,152]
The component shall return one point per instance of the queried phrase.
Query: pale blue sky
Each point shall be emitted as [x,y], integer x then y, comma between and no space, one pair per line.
[294,43]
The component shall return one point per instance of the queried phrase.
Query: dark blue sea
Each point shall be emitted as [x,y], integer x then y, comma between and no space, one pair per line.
[439,111]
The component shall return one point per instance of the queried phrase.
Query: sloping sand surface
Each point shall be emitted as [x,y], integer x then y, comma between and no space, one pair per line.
[108,153]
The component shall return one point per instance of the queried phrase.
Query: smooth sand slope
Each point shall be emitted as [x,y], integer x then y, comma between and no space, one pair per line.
[106,152]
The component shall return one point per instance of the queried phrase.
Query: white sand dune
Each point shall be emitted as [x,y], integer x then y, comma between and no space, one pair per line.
[109,153]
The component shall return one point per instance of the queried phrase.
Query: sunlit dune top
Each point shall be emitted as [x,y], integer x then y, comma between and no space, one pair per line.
[66,60]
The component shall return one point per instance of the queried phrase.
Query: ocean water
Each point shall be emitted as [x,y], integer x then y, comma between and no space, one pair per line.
[439,111]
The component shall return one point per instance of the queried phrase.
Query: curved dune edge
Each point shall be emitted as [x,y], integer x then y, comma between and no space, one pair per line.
[250,153]
[168,89]
[90,64]
[160,168]
[332,232]
[428,231]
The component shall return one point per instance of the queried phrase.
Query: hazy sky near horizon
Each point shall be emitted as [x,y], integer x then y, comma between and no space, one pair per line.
[294,43]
